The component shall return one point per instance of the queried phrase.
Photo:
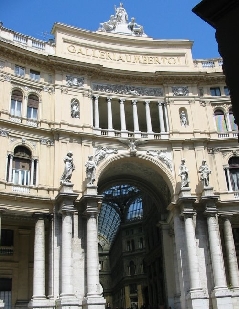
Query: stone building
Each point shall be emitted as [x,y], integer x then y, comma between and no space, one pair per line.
[119,175]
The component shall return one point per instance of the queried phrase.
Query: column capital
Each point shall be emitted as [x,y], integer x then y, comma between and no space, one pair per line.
[95,96]
[147,102]
[134,102]
[188,213]
[109,99]
[39,215]
[122,100]
[210,212]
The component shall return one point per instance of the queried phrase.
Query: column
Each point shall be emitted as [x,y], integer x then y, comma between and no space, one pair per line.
[161,120]
[39,258]
[229,179]
[32,172]
[194,277]
[122,115]
[135,116]
[231,253]
[148,116]
[66,250]
[166,116]
[51,257]
[109,109]
[36,167]
[216,251]
[96,102]
[221,296]
[10,168]
[92,255]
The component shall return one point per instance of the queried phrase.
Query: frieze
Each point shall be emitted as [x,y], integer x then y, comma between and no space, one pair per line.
[232,152]
[162,156]
[180,91]
[74,81]
[213,150]
[128,90]
[47,142]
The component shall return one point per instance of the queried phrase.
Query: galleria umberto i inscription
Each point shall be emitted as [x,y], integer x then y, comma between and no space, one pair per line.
[92,53]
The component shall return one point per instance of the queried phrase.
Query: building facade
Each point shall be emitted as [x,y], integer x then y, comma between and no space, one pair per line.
[119,175]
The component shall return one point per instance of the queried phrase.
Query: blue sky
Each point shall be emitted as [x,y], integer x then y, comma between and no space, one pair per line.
[161,19]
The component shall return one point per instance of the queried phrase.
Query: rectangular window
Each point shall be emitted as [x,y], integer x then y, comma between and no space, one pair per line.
[226,91]
[19,70]
[16,107]
[6,238]
[32,113]
[215,91]
[34,75]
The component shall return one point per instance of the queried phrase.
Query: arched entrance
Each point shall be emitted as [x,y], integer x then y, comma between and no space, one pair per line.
[131,248]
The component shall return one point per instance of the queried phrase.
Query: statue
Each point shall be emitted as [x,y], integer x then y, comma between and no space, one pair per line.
[75,113]
[135,28]
[183,173]
[183,119]
[205,172]
[108,25]
[69,168]
[121,14]
[90,170]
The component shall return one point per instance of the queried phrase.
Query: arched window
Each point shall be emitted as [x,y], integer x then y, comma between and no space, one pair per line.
[32,106]
[220,121]
[16,103]
[232,121]
[21,168]
[232,174]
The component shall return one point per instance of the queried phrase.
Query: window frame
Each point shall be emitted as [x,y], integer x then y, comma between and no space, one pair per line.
[35,75]
[19,70]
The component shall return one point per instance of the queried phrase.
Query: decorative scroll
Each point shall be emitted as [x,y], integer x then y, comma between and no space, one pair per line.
[125,89]
[74,81]
[180,91]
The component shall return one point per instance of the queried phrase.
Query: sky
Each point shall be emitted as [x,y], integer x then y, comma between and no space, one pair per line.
[161,19]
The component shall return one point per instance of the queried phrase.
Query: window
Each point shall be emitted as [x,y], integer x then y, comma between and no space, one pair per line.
[132,268]
[232,174]
[16,103]
[32,106]
[220,121]
[19,70]
[226,91]
[34,75]
[21,168]
[141,243]
[6,238]
[215,91]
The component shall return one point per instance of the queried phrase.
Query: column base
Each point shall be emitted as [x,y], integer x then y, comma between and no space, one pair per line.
[235,298]
[197,299]
[41,303]
[222,298]
[93,303]
[67,301]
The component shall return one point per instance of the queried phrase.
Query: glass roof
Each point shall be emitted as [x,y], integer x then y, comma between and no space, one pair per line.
[121,203]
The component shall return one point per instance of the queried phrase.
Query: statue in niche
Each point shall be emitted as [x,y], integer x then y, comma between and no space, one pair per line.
[108,25]
[75,113]
[183,173]
[135,28]
[121,14]
[69,168]
[205,172]
[183,119]
[90,170]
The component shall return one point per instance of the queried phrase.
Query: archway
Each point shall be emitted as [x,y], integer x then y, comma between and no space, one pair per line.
[135,200]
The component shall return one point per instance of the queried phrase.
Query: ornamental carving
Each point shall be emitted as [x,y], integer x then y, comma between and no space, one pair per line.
[162,156]
[129,90]
[47,142]
[102,152]
[74,81]
[4,133]
[213,150]
[180,91]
